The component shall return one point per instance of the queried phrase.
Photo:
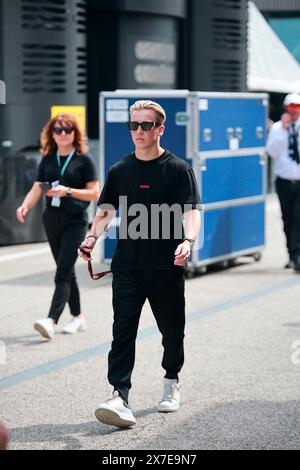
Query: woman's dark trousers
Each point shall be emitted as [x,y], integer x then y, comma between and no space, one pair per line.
[64,231]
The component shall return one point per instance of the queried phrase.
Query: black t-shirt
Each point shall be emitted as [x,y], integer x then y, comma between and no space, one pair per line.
[147,239]
[80,171]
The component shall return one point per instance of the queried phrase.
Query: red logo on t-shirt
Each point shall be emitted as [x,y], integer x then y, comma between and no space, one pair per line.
[144,186]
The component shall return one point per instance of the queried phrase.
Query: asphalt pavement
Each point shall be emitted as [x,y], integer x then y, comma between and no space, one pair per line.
[240,384]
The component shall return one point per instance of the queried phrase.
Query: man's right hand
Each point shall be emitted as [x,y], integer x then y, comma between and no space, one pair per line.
[86,248]
[285,120]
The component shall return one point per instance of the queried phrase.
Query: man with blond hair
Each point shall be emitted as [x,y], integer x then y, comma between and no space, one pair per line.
[150,255]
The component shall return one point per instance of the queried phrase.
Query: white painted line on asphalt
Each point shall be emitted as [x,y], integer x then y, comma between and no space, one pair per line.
[24,254]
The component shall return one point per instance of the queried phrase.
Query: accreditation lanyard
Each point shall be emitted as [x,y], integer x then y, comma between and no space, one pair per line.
[55,201]
[63,169]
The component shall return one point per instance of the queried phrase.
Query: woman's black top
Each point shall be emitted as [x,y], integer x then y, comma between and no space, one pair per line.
[80,171]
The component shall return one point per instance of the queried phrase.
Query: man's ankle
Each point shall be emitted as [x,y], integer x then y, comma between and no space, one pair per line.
[121,395]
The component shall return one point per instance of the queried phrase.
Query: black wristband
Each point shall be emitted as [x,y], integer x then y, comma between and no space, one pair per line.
[69,192]
[92,236]
[189,240]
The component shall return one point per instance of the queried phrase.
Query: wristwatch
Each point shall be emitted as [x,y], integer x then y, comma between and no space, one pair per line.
[93,236]
[191,240]
[69,192]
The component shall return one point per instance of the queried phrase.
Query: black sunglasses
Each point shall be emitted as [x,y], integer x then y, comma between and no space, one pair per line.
[145,125]
[58,130]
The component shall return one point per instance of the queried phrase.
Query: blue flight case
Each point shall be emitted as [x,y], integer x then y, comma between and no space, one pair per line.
[222,136]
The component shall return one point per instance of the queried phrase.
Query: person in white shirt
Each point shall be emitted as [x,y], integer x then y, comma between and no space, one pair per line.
[283,145]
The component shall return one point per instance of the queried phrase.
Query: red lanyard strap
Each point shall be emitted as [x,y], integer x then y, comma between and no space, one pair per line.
[97,276]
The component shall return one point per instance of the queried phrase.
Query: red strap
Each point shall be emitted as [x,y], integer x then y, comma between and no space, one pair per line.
[97,276]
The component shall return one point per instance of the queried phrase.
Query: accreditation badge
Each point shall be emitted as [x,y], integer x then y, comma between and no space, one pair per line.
[55,200]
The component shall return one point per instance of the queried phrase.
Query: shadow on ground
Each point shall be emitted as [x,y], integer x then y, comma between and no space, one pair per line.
[66,436]
[234,425]
[46,278]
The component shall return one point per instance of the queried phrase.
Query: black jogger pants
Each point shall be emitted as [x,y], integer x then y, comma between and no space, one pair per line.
[165,291]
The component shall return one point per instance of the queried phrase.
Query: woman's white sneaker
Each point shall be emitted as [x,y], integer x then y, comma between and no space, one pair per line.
[45,327]
[75,325]
[171,396]
[115,412]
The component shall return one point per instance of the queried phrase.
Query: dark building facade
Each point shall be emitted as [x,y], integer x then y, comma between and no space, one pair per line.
[43,63]
[217,45]
[132,44]
[64,52]
[165,44]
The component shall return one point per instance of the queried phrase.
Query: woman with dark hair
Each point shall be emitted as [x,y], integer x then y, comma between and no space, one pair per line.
[68,177]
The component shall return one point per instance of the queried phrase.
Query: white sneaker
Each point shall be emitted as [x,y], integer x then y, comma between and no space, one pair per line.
[75,325]
[171,396]
[45,327]
[115,412]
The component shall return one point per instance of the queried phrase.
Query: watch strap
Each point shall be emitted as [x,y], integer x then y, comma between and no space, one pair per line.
[191,240]
[92,236]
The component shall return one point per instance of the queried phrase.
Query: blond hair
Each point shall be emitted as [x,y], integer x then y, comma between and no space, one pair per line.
[48,145]
[147,104]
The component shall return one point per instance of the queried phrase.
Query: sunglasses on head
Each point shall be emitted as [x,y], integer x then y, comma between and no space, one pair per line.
[145,125]
[59,130]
